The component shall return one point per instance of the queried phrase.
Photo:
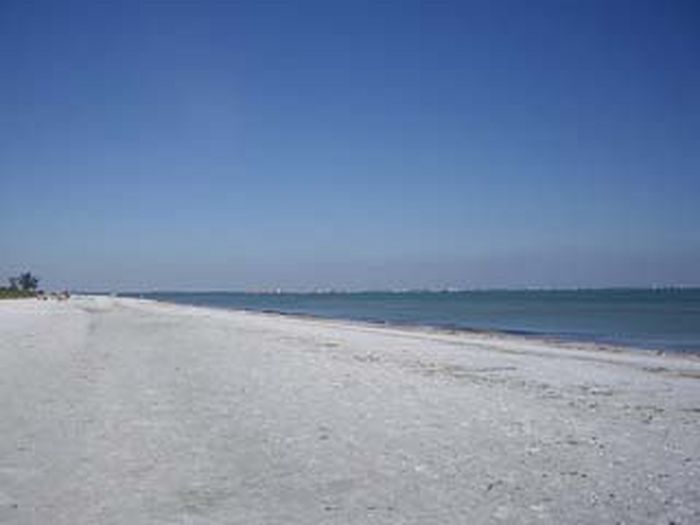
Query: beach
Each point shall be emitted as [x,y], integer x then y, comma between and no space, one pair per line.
[128,411]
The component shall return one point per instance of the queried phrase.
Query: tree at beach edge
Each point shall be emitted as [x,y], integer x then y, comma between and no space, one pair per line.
[23,285]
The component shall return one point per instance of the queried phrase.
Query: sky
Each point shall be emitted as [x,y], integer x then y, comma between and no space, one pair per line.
[212,145]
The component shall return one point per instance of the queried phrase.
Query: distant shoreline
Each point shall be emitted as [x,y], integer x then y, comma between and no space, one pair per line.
[370,291]
[548,340]
[363,308]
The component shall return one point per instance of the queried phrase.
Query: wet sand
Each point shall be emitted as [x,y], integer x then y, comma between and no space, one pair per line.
[120,411]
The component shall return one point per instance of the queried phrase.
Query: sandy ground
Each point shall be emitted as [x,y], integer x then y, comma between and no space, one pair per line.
[118,411]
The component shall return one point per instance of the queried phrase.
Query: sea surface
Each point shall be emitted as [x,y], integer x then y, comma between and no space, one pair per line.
[663,319]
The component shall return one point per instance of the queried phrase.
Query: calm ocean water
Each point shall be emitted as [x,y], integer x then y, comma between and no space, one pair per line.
[665,319]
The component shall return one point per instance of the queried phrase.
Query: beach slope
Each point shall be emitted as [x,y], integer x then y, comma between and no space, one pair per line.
[121,411]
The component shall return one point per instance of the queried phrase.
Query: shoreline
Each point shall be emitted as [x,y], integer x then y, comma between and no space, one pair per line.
[677,364]
[563,343]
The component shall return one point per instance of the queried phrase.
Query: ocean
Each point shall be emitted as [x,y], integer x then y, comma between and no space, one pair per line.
[656,319]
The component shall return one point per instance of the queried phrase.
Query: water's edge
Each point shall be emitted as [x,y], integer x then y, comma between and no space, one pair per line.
[388,312]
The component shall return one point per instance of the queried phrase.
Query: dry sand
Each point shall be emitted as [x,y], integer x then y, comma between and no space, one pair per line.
[119,411]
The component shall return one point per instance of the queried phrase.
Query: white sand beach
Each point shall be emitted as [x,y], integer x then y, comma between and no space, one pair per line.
[121,411]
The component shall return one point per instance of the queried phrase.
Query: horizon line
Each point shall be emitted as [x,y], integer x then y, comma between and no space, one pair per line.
[446,290]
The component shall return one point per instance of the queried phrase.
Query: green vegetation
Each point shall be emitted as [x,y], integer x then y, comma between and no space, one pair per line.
[9,293]
[24,285]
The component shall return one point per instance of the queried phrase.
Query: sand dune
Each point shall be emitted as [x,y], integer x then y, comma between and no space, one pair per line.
[119,411]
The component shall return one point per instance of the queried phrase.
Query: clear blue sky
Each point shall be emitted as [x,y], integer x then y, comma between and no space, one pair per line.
[239,145]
